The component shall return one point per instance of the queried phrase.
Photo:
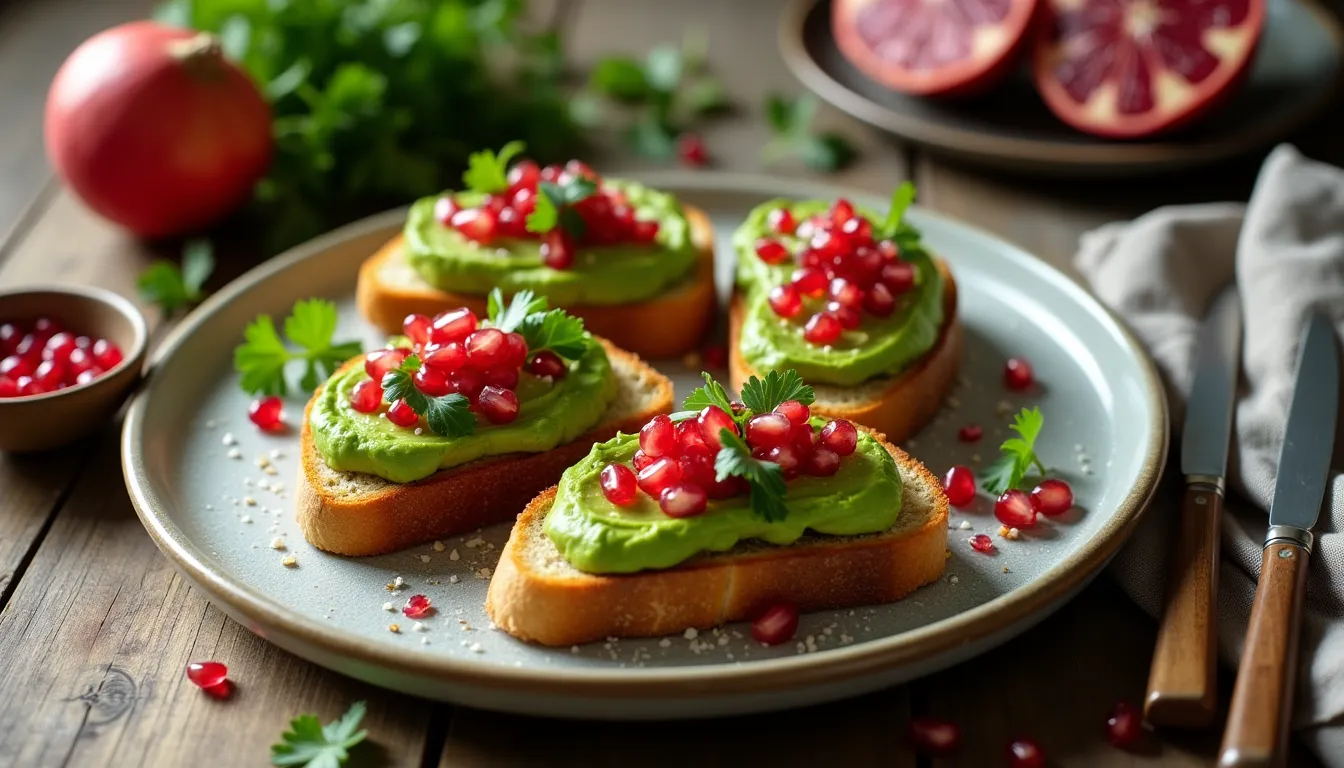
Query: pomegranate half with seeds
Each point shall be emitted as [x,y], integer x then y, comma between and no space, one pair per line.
[1132,68]
[946,48]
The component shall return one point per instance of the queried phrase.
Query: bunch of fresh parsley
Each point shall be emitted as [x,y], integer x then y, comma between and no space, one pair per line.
[1018,454]
[734,459]
[173,287]
[377,102]
[262,356]
[791,123]
[311,744]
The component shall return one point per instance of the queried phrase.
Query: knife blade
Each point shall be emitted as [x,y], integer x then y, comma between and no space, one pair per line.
[1182,682]
[1262,700]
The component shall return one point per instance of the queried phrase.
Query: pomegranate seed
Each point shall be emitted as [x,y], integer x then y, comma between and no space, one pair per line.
[898,276]
[417,328]
[776,624]
[1014,509]
[683,500]
[30,386]
[366,397]
[547,363]
[106,354]
[659,437]
[1017,374]
[447,358]
[691,150]
[10,335]
[524,175]
[417,607]
[524,201]
[498,405]
[846,293]
[1024,753]
[582,169]
[970,433]
[207,674]
[848,316]
[59,347]
[934,737]
[786,457]
[15,366]
[785,301]
[557,250]
[50,374]
[809,281]
[858,228]
[432,381]
[1052,497]
[445,208]
[822,462]
[549,173]
[712,421]
[771,251]
[267,413]
[644,231]
[44,328]
[1124,727]
[454,325]
[959,485]
[80,360]
[842,211]
[517,350]
[467,382]
[804,439]
[822,329]
[662,473]
[8,387]
[879,301]
[769,430]
[982,543]
[380,362]
[618,484]
[402,414]
[840,436]
[641,460]
[781,220]
[477,224]
[688,436]
[795,412]
[504,378]
[89,375]
[487,348]
[811,258]
[889,250]
[512,223]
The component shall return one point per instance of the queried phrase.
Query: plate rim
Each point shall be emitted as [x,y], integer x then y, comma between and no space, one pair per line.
[1017,152]
[835,665]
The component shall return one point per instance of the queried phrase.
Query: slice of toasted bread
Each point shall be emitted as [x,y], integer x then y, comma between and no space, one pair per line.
[352,513]
[897,407]
[536,595]
[668,325]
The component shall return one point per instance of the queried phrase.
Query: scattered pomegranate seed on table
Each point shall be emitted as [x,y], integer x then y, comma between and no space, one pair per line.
[715,355]
[43,357]
[982,543]
[1024,753]
[777,624]
[207,674]
[1052,497]
[417,607]
[959,485]
[1014,509]
[691,149]
[970,433]
[1124,728]
[934,736]
[268,413]
[1017,374]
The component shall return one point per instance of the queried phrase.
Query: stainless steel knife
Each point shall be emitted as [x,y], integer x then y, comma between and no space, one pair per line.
[1182,680]
[1262,701]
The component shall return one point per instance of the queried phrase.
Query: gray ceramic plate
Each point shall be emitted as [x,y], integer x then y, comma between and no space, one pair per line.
[1106,433]
[1295,73]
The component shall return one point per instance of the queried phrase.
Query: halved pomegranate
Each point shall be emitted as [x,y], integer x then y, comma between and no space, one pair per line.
[1132,68]
[932,47]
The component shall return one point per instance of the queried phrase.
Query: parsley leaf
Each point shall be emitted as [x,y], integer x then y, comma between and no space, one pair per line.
[173,287]
[508,318]
[765,478]
[487,172]
[712,393]
[764,395]
[310,743]
[544,216]
[556,330]
[448,415]
[790,121]
[262,356]
[556,206]
[900,202]
[1019,454]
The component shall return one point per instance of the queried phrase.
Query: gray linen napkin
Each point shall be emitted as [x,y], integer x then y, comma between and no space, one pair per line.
[1161,272]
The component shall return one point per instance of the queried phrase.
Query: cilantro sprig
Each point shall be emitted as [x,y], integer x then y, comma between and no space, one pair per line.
[895,227]
[555,206]
[488,172]
[543,329]
[311,744]
[712,393]
[764,478]
[1019,453]
[507,317]
[765,395]
[173,287]
[449,415]
[311,326]
[791,123]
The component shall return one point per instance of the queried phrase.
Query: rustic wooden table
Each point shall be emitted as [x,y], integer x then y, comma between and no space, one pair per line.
[96,626]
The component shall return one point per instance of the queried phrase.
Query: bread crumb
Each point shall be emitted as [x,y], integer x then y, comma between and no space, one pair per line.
[249,501]
[419,626]
[573,649]
[475,542]
[394,628]
[483,573]
[234,453]
[424,558]
[975,458]
[477,648]
[424,641]
[228,439]
[453,555]
[276,453]
[245,519]
[965,525]
[389,607]
[954,579]
[452,579]
[438,546]
[270,470]
[1003,408]
[1008,533]
[277,543]
[398,582]
[289,561]
[263,462]
[1005,569]
[691,633]
[665,643]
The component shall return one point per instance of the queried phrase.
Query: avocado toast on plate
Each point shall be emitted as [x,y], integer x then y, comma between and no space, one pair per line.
[620,255]
[854,303]
[723,511]
[460,422]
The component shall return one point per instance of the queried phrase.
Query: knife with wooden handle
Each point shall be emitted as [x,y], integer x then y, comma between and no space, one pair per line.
[1181,683]
[1262,701]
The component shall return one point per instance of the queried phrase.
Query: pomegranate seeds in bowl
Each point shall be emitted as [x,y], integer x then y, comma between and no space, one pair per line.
[40,357]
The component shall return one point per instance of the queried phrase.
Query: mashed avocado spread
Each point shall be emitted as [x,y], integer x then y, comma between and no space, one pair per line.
[596,536]
[549,414]
[608,274]
[878,347]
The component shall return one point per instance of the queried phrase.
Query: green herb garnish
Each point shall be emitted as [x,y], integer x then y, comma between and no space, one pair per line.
[1019,454]
[173,287]
[507,318]
[311,744]
[487,172]
[765,395]
[791,122]
[449,415]
[554,206]
[712,393]
[765,478]
[543,329]
[262,356]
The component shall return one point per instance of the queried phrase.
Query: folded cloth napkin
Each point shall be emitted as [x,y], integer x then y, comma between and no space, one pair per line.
[1161,272]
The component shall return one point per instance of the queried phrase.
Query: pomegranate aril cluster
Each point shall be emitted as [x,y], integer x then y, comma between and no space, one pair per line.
[608,217]
[675,462]
[841,272]
[42,357]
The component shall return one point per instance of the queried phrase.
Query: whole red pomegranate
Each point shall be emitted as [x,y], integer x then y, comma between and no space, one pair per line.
[155,129]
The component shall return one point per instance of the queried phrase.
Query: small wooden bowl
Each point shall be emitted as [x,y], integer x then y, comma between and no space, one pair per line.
[40,422]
